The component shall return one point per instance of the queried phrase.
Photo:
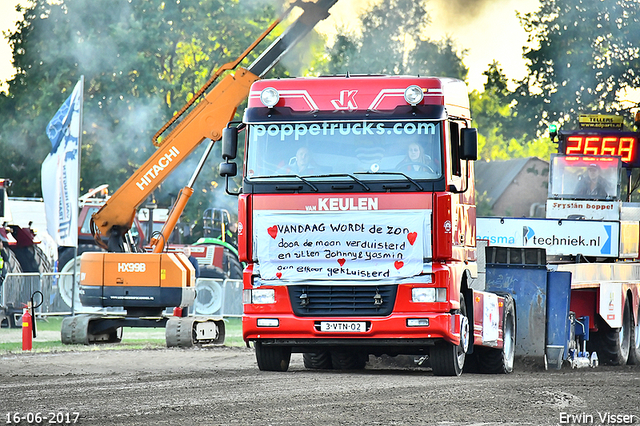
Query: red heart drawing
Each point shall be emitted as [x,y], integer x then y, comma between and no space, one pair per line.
[398,264]
[412,237]
[279,275]
[341,261]
[273,231]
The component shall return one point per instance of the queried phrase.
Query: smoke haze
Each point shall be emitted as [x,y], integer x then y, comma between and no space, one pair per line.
[488,29]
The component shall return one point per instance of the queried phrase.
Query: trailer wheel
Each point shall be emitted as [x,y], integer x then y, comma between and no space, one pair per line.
[634,340]
[448,359]
[342,359]
[317,360]
[612,345]
[272,358]
[500,361]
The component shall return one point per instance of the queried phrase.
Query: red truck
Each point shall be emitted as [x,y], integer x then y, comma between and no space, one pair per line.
[357,223]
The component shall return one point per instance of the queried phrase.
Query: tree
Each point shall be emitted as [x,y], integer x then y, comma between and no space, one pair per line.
[142,60]
[392,42]
[580,56]
[492,115]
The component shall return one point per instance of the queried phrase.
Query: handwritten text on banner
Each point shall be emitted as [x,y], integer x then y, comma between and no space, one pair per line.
[347,245]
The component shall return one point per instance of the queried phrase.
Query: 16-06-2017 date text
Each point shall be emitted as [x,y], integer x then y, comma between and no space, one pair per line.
[41,418]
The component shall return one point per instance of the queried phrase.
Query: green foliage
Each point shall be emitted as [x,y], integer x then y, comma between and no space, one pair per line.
[580,55]
[492,115]
[142,61]
[392,42]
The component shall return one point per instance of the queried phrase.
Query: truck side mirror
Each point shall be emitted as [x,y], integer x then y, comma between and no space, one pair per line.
[469,144]
[229,143]
[228,169]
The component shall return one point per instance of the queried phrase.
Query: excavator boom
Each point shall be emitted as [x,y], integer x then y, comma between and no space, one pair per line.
[145,284]
[205,121]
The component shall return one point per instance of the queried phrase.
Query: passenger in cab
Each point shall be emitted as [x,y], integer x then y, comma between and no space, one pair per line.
[416,160]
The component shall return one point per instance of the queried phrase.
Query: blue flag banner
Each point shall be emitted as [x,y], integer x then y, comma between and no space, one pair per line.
[61,170]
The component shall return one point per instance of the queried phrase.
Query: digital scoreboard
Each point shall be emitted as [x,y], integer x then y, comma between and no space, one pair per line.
[601,142]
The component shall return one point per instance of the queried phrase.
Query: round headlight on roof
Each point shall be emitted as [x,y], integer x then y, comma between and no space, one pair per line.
[413,95]
[269,97]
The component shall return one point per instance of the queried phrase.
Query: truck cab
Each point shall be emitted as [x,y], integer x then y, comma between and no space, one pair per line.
[357,221]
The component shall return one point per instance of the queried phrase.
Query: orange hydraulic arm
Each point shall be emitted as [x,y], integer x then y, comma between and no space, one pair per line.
[205,121]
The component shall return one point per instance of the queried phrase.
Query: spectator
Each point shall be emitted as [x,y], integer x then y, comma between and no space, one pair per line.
[4,263]
[193,260]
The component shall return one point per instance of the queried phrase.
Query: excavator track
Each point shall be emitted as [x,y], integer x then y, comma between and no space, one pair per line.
[77,330]
[190,331]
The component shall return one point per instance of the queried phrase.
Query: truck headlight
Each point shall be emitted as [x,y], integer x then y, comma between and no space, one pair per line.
[428,294]
[413,95]
[269,97]
[259,296]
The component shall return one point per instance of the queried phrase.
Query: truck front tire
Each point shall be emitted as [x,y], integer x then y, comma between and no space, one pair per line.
[448,359]
[272,358]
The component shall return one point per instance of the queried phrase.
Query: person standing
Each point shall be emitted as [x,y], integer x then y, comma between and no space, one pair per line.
[4,263]
[193,260]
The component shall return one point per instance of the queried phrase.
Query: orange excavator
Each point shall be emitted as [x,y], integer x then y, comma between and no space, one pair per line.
[145,284]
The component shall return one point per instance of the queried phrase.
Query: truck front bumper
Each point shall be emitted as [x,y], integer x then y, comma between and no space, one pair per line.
[419,329]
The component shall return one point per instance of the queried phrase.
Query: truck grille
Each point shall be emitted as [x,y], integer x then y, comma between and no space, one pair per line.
[331,300]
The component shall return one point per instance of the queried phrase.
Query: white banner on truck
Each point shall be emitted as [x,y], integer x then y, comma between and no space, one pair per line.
[341,246]
[558,237]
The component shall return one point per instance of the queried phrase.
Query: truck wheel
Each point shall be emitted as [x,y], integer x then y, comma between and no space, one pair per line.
[13,265]
[612,345]
[448,359]
[272,358]
[317,360]
[347,360]
[500,361]
[33,259]
[65,283]
[14,291]
[634,340]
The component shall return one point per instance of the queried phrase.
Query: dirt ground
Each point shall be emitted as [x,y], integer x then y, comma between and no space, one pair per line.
[223,386]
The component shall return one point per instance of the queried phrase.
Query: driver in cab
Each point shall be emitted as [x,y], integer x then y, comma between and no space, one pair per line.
[591,184]
[302,164]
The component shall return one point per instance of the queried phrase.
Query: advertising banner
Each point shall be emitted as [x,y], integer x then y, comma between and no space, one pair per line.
[61,169]
[348,245]
[558,237]
[590,210]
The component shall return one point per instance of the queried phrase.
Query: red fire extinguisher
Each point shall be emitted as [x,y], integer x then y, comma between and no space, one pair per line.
[27,328]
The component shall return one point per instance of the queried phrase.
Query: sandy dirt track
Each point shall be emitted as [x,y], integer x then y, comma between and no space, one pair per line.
[223,386]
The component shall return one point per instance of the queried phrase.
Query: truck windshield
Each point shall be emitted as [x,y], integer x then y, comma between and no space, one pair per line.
[344,148]
[576,177]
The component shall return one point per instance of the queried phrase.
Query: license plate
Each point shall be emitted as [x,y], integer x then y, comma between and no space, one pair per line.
[343,326]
